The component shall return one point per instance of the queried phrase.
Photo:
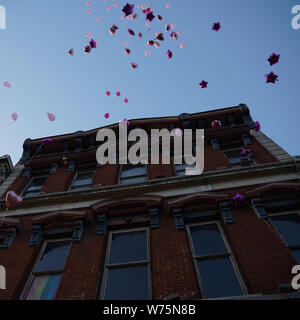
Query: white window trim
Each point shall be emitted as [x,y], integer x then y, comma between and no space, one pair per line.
[147,262]
[235,165]
[229,254]
[273,225]
[32,275]
[29,182]
[135,176]
[75,177]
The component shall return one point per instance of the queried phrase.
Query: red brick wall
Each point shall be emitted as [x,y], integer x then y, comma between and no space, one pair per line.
[18,261]
[214,159]
[260,153]
[172,264]
[84,264]
[262,256]
[160,170]
[106,175]
[58,181]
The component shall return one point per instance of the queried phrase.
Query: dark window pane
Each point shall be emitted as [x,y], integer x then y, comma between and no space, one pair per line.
[133,180]
[207,240]
[296,254]
[44,287]
[129,283]
[288,226]
[36,184]
[133,171]
[54,256]
[128,247]
[218,278]
[82,179]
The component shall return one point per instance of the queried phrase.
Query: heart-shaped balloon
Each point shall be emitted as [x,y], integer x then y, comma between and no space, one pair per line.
[13,200]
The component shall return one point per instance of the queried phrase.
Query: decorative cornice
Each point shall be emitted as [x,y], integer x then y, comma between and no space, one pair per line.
[259,192]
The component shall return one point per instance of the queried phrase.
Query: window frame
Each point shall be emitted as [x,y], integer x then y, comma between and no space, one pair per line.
[33,273]
[229,254]
[23,194]
[75,177]
[126,264]
[183,161]
[250,162]
[135,176]
[290,247]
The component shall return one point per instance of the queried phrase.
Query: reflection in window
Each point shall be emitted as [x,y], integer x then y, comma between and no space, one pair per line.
[46,276]
[34,187]
[127,266]
[133,173]
[288,225]
[214,262]
[82,181]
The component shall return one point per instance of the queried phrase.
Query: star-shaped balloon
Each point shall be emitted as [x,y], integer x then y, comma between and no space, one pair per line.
[128,9]
[131,32]
[150,16]
[274,58]
[93,44]
[87,49]
[169,54]
[256,126]
[203,84]
[271,77]
[160,37]
[216,26]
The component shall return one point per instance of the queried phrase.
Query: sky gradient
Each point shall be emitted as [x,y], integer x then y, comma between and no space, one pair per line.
[45,78]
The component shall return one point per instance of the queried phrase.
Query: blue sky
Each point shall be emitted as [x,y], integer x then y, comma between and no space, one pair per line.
[44,78]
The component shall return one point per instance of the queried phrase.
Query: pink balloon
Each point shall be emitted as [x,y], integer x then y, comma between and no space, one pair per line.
[106,115]
[148,24]
[139,6]
[115,4]
[108,93]
[88,11]
[97,19]
[147,53]
[126,100]
[14,116]
[12,199]
[51,116]
[89,3]
[182,45]
[168,5]
[173,26]
[7,84]
[125,43]
[178,32]
[118,93]
[88,34]
[108,8]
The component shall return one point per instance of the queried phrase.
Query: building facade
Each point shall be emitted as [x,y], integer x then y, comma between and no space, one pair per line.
[91,231]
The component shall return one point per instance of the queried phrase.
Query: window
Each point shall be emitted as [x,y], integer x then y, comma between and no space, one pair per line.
[214,263]
[127,269]
[34,186]
[46,275]
[288,226]
[180,168]
[235,159]
[82,180]
[133,173]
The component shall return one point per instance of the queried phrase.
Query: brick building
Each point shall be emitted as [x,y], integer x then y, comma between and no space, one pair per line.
[90,231]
